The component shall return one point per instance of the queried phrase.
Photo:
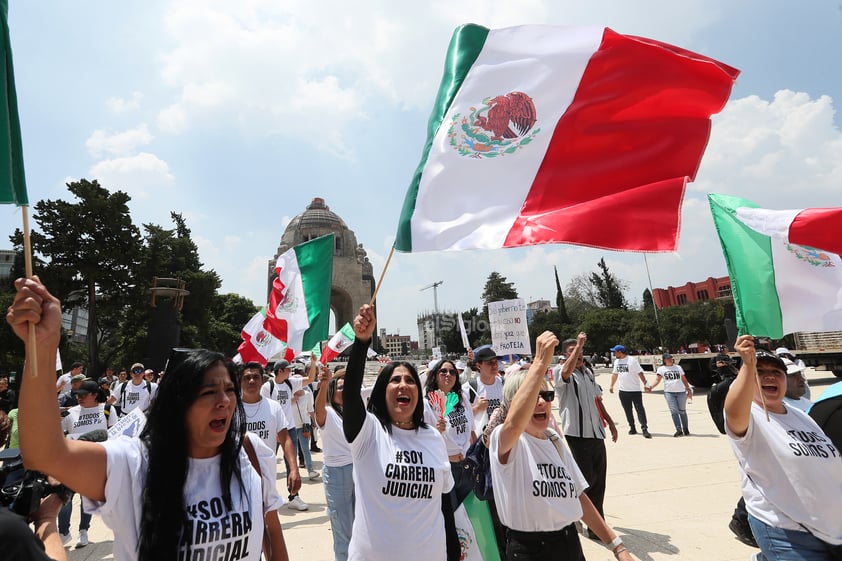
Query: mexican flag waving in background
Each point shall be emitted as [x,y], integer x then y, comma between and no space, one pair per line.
[785,266]
[340,341]
[299,305]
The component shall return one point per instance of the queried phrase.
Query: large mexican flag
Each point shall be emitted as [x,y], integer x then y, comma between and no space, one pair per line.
[785,266]
[550,134]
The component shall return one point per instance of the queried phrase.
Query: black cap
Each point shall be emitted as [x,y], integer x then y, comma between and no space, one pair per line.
[281,365]
[89,386]
[773,358]
[485,354]
[103,380]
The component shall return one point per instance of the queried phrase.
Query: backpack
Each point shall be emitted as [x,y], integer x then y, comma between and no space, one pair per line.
[477,466]
[122,399]
[272,386]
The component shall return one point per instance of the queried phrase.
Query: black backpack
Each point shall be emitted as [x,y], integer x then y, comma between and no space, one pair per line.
[477,466]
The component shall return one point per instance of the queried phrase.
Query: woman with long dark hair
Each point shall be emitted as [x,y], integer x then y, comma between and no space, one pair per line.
[457,424]
[186,484]
[401,472]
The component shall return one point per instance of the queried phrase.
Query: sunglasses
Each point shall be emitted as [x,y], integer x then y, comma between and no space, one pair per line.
[447,371]
[547,395]
[137,371]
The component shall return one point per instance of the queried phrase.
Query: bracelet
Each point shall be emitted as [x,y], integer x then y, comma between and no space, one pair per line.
[619,551]
[617,541]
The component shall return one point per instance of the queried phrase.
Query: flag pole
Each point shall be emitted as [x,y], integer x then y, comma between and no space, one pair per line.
[27,263]
[382,274]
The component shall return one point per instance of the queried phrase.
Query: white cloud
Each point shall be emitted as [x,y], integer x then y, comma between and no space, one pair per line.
[124,105]
[140,175]
[123,143]
[312,71]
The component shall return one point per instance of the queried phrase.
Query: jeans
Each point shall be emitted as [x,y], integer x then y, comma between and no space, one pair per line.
[677,402]
[627,399]
[777,544]
[339,495]
[304,447]
[64,518]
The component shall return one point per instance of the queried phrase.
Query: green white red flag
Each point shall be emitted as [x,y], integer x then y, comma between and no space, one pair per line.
[258,344]
[785,266]
[299,304]
[12,178]
[340,341]
[549,134]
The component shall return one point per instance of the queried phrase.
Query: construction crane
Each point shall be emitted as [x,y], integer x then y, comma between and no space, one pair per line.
[435,287]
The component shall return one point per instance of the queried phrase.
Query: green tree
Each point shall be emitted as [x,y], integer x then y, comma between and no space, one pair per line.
[497,288]
[229,313]
[93,248]
[609,289]
[648,301]
[559,300]
[606,327]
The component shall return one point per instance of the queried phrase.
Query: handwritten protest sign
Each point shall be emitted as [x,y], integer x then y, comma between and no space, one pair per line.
[130,425]
[509,332]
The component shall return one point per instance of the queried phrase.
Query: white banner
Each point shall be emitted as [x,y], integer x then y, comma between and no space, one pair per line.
[130,425]
[436,353]
[463,331]
[509,332]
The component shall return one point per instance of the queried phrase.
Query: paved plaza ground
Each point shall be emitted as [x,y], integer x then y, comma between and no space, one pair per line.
[669,498]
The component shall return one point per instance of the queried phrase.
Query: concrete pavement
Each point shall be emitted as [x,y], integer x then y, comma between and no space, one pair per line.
[669,498]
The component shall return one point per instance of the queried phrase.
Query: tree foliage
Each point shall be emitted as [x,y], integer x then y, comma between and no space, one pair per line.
[608,288]
[559,299]
[92,247]
[497,288]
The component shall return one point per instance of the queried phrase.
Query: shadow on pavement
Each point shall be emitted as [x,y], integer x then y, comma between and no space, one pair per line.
[641,543]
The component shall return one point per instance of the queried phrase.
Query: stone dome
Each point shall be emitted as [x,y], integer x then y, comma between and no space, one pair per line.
[316,220]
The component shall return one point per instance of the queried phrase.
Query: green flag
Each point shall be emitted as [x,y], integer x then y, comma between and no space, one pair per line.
[12,180]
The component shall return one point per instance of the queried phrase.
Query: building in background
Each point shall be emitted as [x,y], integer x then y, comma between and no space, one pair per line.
[397,345]
[7,262]
[710,289]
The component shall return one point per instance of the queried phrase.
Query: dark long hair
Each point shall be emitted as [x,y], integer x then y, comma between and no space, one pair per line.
[331,392]
[377,401]
[433,380]
[165,436]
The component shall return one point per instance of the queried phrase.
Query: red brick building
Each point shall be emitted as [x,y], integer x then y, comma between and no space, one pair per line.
[709,289]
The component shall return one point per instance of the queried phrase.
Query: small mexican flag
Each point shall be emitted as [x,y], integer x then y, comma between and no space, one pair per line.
[785,266]
[258,344]
[299,305]
[341,340]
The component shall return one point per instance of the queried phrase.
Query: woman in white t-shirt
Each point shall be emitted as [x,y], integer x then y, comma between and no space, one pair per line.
[456,425]
[191,447]
[538,488]
[338,472]
[676,391]
[401,472]
[791,471]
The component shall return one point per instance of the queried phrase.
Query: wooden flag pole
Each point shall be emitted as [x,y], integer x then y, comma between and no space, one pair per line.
[32,359]
[762,397]
[382,274]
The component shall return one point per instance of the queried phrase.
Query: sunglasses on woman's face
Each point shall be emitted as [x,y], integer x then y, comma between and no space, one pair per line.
[547,395]
[447,371]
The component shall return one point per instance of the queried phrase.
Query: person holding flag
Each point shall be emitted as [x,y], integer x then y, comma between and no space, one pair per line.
[791,471]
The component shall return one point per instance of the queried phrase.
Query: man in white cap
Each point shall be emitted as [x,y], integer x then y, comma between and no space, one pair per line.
[485,393]
[786,354]
[796,386]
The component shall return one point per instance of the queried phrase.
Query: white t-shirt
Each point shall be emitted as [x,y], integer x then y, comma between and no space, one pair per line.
[63,382]
[211,528]
[627,369]
[80,420]
[459,425]
[493,393]
[129,396]
[301,409]
[398,483]
[791,473]
[537,490]
[672,378]
[265,419]
[337,451]
[282,393]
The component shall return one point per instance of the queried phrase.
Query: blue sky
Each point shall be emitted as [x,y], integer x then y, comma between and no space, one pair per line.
[237,114]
